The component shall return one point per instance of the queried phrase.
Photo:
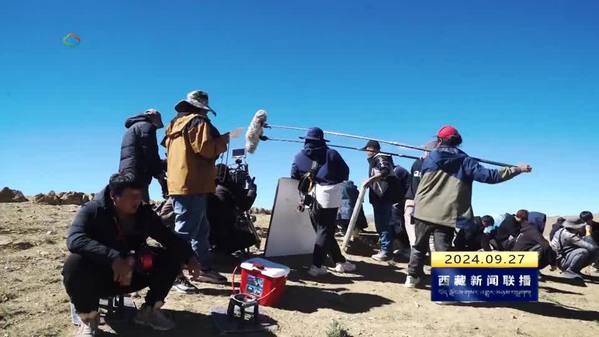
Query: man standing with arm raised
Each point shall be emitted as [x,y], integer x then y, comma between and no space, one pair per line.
[444,197]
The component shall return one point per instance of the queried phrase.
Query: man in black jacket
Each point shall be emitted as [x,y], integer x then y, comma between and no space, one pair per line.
[109,255]
[413,182]
[139,151]
[509,229]
[382,196]
[531,239]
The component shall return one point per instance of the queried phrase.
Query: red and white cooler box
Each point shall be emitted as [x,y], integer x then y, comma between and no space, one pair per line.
[264,279]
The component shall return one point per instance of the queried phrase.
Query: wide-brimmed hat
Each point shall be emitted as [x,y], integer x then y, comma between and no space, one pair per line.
[573,223]
[315,134]
[196,99]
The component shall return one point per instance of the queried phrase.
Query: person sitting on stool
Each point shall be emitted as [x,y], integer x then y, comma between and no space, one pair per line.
[109,256]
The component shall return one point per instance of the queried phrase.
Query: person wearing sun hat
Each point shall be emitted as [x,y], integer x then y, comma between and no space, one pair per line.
[573,251]
[193,144]
[330,172]
[443,201]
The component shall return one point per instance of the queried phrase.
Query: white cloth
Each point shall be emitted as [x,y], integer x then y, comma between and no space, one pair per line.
[329,196]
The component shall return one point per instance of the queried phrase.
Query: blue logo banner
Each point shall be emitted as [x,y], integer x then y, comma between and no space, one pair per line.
[485,284]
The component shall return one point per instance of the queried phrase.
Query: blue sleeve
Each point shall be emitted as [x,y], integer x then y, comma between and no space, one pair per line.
[340,165]
[474,170]
[295,171]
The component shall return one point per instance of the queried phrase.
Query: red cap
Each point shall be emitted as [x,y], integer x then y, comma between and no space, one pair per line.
[447,131]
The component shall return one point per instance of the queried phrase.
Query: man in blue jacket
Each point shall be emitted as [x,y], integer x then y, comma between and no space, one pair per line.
[444,198]
[139,151]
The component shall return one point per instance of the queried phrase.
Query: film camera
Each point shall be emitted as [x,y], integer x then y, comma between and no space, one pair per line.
[239,172]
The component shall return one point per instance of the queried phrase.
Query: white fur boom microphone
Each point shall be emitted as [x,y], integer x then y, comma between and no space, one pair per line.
[252,136]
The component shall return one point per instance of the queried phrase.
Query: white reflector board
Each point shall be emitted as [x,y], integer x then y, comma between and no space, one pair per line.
[290,232]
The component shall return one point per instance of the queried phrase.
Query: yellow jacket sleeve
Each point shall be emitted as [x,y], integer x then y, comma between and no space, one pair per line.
[203,144]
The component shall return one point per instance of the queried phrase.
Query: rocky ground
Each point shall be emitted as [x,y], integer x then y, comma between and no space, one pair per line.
[371,302]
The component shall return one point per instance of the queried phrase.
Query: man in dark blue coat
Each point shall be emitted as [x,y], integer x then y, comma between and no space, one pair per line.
[329,171]
[139,151]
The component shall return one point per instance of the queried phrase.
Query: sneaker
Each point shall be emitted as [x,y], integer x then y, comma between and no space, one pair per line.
[183,286]
[381,256]
[210,276]
[412,281]
[317,271]
[403,253]
[154,317]
[345,267]
[89,325]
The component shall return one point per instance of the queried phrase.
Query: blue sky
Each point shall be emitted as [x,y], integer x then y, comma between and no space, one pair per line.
[519,79]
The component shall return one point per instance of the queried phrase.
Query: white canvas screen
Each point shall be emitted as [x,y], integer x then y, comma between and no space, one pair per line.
[290,232]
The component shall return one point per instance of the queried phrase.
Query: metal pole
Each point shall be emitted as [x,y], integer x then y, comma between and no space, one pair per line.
[265,138]
[496,163]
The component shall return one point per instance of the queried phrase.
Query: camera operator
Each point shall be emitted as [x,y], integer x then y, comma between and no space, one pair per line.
[230,226]
[109,256]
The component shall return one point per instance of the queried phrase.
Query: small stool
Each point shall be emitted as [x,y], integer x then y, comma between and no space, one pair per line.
[244,302]
[115,309]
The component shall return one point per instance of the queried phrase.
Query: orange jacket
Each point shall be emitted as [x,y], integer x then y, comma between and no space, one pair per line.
[192,144]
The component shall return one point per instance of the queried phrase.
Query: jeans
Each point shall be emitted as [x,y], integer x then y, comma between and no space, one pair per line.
[191,224]
[86,281]
[324,224]
[575,260]
[382,222]
[442,237]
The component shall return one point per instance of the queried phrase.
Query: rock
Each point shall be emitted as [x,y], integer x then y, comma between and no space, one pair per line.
[72,198]
[8,195]
[21,245]
[48,199]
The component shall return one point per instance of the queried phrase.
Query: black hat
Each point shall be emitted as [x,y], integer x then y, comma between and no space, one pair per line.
[315,134]
[373,144]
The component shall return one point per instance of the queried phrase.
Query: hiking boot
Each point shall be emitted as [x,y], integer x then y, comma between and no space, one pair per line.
[183,286]
[381,256]
[345,267]
[317,271]
[154,317]
[412,281]
[89,324]
[210,276]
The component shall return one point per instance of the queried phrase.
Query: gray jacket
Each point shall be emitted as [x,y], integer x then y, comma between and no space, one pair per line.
[565,241]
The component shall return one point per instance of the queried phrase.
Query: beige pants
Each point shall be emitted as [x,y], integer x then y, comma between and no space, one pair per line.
[410,228]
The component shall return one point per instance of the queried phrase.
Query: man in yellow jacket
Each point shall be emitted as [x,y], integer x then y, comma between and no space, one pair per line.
[193,144]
